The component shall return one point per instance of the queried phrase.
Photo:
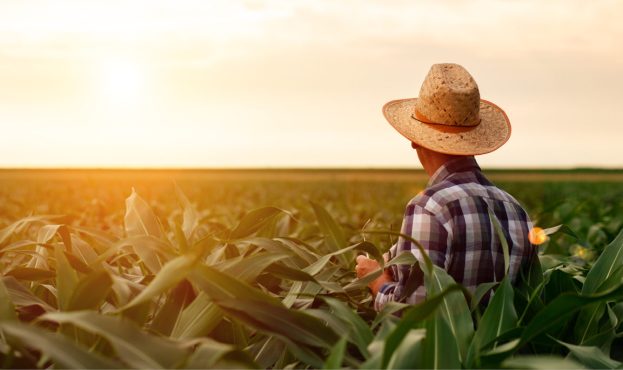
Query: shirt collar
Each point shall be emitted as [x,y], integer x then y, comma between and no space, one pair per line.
[461,164]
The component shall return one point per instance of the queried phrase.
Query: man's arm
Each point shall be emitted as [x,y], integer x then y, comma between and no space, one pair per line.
[424,227]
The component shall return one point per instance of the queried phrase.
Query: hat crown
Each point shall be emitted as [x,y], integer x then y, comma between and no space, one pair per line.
[449,96]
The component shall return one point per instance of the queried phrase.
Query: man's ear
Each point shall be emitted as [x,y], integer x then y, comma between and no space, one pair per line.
[414,145]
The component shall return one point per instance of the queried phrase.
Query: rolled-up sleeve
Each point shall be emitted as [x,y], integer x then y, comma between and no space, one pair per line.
[424,227]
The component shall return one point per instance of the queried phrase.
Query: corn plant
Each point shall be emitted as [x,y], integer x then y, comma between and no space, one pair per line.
[272,290]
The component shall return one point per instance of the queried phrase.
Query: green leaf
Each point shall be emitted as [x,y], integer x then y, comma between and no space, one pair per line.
[90,291]
[359,332]
[31,274]
[610,259]
[259,310]
[336,356]
[427,267]
[540,362]
[169,315]
[294,325]
[320,264]
[77,264]
[480,292]
[503,242]
[198,319]
[378,346]
[17,226]
[64,353]
[210,354]
[410,352]
[151,251]
[302,353]
[440,347]
[140,219]
[47,232]
[190,217]
[587,323]
[560,309]
[404,258]
[7,310]
[250,267]
[133,346]
[454,310]
[499,317]
[389,309]
[253,221]
[333,233]
[363,282]
[268,351]
[410,318]
[170,275]
[20,296]
[591,357]
[372,251]
[66,279]
[288,273]
[562,228]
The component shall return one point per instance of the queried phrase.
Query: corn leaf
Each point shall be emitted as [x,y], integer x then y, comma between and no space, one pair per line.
[210,354]
[410,318]
[170,275]
[31,274]
[410,352]
[561,308]
[169,315]
[358,332]
[253,221]
[440,347]
[199,318]
[133,346]
[333,233]
[7,309]
[91,291]
[336,356]
[540,362]
[140,219]
[190,217]
[454,310]
[66,279]
[65,353]
[610,259]
[257,309]
[591,357]
[499,317]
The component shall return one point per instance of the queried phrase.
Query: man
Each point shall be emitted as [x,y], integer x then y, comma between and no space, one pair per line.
[447,125]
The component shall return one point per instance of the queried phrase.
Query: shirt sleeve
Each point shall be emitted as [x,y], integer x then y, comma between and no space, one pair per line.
[424,227]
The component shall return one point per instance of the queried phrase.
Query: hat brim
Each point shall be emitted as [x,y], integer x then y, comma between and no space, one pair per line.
[491,133]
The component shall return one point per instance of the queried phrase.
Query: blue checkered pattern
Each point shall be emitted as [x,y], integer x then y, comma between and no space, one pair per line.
[450,219]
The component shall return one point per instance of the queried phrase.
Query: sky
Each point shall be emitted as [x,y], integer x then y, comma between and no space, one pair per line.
[280,83]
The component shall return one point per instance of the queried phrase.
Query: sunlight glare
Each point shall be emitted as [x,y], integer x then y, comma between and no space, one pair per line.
[121,81]
[537,236]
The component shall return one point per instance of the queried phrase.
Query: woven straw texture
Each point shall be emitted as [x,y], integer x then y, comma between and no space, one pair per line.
[449,116]
[492,132]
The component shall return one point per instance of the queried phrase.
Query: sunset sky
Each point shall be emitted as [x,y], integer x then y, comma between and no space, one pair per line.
[283,83]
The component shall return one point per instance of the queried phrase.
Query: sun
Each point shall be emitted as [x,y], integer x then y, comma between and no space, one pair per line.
[121,81]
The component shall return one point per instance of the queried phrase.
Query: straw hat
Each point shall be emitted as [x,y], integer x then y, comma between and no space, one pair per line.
[449,116]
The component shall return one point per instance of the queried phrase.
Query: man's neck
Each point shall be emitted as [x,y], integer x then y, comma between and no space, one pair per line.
[431,161]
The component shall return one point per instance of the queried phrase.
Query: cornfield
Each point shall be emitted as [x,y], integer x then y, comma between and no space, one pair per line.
[170,281]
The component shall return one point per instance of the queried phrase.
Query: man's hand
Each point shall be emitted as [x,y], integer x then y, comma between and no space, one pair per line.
[365,266]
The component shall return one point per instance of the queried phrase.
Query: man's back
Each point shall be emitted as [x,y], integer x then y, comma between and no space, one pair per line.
[451,220]
[448,124]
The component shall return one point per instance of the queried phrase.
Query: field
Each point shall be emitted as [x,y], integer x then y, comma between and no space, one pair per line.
[248,269]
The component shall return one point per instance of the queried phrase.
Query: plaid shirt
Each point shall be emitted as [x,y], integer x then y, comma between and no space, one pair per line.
[450,219]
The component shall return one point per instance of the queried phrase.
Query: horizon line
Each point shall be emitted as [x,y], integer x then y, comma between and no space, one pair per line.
[302,168]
